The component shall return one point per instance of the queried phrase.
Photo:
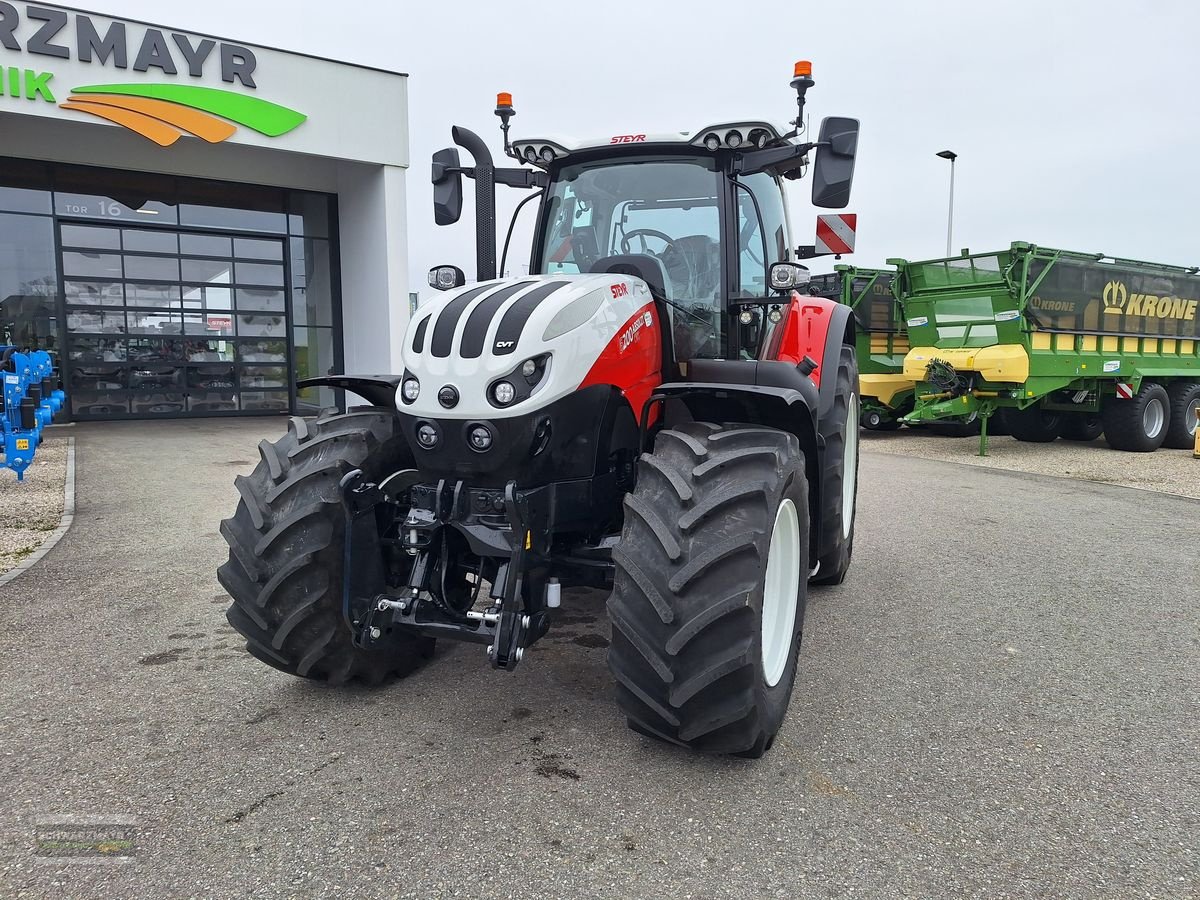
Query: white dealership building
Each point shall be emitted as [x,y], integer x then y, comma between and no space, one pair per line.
[191,222]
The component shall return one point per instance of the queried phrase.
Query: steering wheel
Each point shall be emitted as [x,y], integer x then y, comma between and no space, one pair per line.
[644,233]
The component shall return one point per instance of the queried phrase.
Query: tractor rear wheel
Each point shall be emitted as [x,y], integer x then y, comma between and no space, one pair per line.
[708,598]
[287,545]
[839,475]
[1034,425]
[1086,426]
[1184,397]
[1139,424]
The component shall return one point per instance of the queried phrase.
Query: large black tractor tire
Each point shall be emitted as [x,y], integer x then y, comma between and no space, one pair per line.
[713,508]
[287,544]
[1139,424]
[1184,397]
[839,475]
[1034,425]
[1082,427]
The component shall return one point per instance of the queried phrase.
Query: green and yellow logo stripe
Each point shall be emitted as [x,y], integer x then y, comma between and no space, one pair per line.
[165,112]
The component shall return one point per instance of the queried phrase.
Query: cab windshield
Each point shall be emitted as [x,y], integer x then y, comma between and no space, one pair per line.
[666,209]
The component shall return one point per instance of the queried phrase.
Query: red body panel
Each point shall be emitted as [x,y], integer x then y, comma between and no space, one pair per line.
[802,333]
[632,361]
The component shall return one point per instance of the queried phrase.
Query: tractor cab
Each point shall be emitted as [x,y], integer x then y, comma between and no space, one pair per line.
[700,216]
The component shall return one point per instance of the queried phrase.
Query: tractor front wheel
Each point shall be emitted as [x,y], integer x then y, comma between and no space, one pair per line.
[287,550]
[708,599]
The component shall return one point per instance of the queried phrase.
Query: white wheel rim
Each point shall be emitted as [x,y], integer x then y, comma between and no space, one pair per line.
[781,586]
[1153,418]
[1191,418]
[850,467]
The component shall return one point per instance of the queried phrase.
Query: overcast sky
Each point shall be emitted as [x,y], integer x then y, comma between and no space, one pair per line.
[1076,123]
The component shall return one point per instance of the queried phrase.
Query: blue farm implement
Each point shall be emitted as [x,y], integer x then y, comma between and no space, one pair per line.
[31,401]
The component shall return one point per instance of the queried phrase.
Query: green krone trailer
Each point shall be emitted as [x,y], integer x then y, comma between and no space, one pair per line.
[1069,345]
[885,393]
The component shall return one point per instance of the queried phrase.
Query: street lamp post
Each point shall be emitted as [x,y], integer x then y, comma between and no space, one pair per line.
[952,156]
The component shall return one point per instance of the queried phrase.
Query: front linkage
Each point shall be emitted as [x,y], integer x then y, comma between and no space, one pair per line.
[509,528]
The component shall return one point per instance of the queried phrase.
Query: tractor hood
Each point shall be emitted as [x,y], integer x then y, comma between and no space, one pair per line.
[473,337]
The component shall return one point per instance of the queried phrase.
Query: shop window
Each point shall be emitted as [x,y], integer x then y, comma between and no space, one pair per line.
[314,352]
[137,294]
[207,296]
[115,196]
[148,241]
[211,271]
[308,214]
[91,238]
[94,293]
[199,351]
[260,299]
[156,268]
[206,245]
[92,350]
[247,248]
[312,283]
[98,321]
[207,323]
[28,281]
[24,187]
[155,321]
[262,351]
[258,273]
[260,325]
[91,264]
[230,207]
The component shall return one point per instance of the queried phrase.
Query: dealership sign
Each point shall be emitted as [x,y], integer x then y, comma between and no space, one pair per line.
[189,85]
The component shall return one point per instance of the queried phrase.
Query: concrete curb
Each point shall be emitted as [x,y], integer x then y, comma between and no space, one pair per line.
[64,524]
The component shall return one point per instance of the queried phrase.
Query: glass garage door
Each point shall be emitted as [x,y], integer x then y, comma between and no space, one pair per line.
[171,323]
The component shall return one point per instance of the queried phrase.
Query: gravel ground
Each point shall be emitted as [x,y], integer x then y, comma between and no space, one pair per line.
[1169,471]
[1002,700]
[31,509]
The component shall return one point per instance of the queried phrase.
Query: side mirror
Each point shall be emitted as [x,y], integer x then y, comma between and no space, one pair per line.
[833,171]
[446,278]
[447,187]
[786,276]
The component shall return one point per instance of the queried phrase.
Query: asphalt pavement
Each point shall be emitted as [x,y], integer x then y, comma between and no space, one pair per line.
[1001,701]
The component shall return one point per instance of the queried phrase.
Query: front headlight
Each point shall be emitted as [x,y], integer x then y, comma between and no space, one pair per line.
[410,390]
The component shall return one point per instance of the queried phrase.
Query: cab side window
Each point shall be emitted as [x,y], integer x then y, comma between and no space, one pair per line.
[767,202]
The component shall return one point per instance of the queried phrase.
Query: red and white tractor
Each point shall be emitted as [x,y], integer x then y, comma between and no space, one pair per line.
[654,410]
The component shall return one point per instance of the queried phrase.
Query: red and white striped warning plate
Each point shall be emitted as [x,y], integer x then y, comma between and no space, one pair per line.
[1124,391]
[835,233]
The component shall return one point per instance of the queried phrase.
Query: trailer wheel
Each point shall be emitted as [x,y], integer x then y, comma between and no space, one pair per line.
[839,475]
[1034,425]
[1184,410]
[874,420]
[709,591]
[1086,426]
[1139,424]
[286,549]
